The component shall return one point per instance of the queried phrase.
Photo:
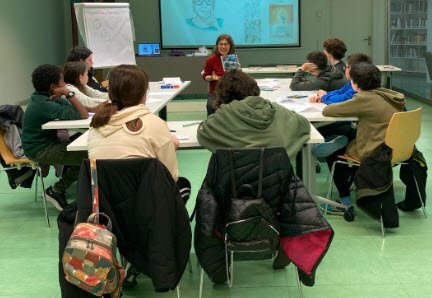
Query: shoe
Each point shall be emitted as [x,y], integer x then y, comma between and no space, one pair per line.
[332,209]
[281,260]
[403,207]
[57,199]
[130,280]
[330,147]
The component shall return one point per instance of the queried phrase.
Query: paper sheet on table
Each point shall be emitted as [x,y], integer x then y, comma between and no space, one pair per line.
[172,80]
[300,107]
[161,92]
[271,84]
[296,96]
[182,137]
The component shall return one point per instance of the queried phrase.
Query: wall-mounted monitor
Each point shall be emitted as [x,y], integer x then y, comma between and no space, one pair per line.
[251,23]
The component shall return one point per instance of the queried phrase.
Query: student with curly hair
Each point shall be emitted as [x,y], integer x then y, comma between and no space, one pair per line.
[335,49]
[50,101]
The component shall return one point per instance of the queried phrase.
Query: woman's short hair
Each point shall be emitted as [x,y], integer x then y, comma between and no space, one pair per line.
[335,47]
[230,41]
[367,76]
[235,85]
[318,58]
[71,73]
[78,54]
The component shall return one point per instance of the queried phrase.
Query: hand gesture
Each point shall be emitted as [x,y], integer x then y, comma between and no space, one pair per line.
[309,67]
[58,92]
[315,98]
[215,77]
[175,141]
[321,93]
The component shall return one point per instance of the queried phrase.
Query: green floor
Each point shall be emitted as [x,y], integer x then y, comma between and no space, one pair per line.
[359,262]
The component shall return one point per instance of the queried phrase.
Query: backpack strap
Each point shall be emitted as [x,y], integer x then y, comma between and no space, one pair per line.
[233,185]
[95,189]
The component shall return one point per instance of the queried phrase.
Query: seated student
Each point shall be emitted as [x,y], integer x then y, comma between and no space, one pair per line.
[51,101]
[82,54]
[339,133]
[327,78]
[374,106]
[130,130]
[335,49]
[346,92]
[76,78]
[246,120]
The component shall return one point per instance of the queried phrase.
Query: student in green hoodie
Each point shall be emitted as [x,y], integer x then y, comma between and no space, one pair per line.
[244,119]
[374,106]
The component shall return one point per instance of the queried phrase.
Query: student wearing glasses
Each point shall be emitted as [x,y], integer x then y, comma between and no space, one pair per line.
[204,18]
[213,68]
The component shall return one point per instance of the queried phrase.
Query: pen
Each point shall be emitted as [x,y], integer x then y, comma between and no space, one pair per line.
[172,130]
[191,124]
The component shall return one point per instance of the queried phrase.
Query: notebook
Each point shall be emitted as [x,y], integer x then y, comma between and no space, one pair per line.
[148,49]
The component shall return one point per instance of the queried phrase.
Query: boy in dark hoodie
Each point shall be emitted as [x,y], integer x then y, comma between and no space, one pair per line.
[374,106]
[328,78]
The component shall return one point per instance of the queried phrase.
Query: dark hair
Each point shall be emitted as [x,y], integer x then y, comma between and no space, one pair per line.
[71,74]
[127,86]
[355,58]
[318,58]
[335,47]
[44,76]
[367,76]
[78,54]
[235,85]
[230,41]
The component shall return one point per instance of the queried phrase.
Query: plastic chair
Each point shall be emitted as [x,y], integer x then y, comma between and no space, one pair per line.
[402,133]
[17,163]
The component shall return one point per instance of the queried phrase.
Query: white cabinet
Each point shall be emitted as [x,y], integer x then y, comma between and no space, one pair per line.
[409,34]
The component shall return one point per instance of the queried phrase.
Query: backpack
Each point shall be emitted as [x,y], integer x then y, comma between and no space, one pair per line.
[89,259]
[251,228]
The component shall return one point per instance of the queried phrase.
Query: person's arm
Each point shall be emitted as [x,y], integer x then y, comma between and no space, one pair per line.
[167,156]
[87,101]
[341,95]
[95,93]
[353,107]
[69,107]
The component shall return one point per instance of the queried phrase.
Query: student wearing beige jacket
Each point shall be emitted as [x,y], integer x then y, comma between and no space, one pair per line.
[373,106]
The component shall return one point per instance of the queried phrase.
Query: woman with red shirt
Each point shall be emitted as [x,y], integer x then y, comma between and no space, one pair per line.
[213,68]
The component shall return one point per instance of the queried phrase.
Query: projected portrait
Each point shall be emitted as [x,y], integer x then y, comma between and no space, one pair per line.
[204,18]
[281,21]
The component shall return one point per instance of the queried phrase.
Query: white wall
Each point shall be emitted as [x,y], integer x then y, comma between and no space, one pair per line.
[32,33]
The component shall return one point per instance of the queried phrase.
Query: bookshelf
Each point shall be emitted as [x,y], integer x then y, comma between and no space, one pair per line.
[408,34]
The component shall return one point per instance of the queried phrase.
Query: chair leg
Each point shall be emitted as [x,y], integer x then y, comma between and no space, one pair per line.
[420,197]
[382,227]
[36,185]
[201,283]
[178,291]
[299,285]
[39,172]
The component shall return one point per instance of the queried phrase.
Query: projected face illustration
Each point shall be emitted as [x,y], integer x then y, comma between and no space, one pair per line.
[203,8]
[204,18]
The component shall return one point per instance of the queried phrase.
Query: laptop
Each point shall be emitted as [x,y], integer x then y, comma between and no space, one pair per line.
[149,49]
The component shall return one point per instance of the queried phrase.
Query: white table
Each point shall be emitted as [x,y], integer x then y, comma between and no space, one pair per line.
[386,71]
[157,99]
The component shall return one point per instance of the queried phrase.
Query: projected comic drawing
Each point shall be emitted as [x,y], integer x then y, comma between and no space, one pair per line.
[281,21]
[252,22]
[204,18]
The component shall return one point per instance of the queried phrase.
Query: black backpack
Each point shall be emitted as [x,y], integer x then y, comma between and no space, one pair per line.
[251,229]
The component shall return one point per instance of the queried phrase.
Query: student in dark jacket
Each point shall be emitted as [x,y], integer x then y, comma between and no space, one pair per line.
[326,78]
[335,49]
[82,54]
[50,101]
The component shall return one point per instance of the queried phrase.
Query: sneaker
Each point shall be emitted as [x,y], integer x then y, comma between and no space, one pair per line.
[57,199]
[330,147]
[332,209]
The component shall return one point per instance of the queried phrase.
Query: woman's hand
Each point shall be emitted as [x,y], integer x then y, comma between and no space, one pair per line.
[215,77]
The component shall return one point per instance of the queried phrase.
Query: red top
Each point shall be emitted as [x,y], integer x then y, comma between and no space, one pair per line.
[213,63]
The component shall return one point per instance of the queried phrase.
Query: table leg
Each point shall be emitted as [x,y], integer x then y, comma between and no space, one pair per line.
[308,169]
